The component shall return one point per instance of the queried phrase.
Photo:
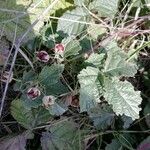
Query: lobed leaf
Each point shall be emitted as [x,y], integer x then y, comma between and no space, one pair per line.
[89,90]
[116,63]
[123,98]
[28,118]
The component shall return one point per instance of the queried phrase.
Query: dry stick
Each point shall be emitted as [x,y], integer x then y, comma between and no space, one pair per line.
[113,131]
[40,17]
[26,58]
[12,11]
[94,16]
[127,13]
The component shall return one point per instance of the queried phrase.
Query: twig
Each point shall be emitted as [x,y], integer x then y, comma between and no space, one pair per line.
[93,15]
[113,131]
[26,58]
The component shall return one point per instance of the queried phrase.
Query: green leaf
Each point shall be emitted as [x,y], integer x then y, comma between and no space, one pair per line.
[28,103]
[116,63]
[81,2]
[56,109]
[142,3]
[72,47]
[17,142]
[24,14]
[62,136]
[102,117]
[50,79]
[70,24]
[121,142]
[114,145]
[127,121]
[29,76]
[122,96]
[28,118]
[105,8]
[145,145]
[51,75]
[96,59]
[96,30]
[89,91]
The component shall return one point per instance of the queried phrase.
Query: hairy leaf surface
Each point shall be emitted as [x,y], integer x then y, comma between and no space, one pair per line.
[123,98]
[89,91]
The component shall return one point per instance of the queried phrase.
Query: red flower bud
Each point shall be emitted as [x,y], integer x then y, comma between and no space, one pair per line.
[42,56]
[74,102]
[33,93]
[48,101]
[59,48]
[5,76]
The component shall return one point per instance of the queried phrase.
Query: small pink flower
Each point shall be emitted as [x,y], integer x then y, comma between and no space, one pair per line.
[5,76]
[59,48]
[33,93]
[48,101]
[42,56]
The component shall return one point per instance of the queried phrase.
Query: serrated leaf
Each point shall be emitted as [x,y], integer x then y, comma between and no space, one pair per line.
[123,98]
[105,8]
[72,47]
[96,59]
[89,91]
[145,144]
[23,13]
[96,30]
[102,117]
[50,79]
[15,142]
[62,136]
[28,118]
[116,63]
[70,24]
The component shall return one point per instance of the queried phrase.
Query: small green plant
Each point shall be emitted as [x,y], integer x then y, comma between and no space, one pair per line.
[80,87]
